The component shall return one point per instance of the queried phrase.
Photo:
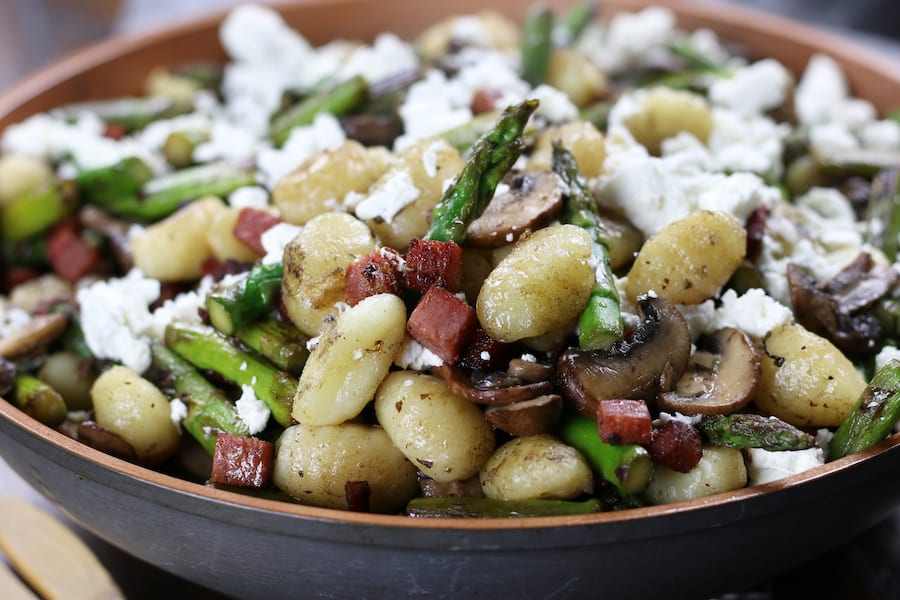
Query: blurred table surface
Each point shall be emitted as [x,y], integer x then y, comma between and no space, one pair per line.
[35,32]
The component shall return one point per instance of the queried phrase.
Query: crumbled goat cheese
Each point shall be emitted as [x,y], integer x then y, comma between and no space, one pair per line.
[886,355]
[227,141]
[325,133]
[665,417]
[468,30]
[154,135]
[430,157]
[698,317]
[824,437]
[485,355]
[312,342]
[393,194]
[747,143]
[249,196]
[251,410]
[274,240]
[764,466]
[630,39]
[388,56]
[823,95]
[429,110]
[753,89]
[416,357]
[754,312]
[178,411]
[528,357]
[881,135]
[11,318]
[115,318]
[554,106]
[183,308]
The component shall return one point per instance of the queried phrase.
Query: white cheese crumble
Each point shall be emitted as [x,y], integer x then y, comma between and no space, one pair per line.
[753,89]
[554,106]
[393,193]
[764,466]
[416,357]
[275,238]
[754,312]
[249,196]
[823,95]
[251,410]
[115,318]
[665,417]
[11,318]
[698,317]
[630,39]
[886,355]
[178,411]
[388,56]
[325,133]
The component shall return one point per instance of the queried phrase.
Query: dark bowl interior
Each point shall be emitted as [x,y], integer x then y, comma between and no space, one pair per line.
[253,547]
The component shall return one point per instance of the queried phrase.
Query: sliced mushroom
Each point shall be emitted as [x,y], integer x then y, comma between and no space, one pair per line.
[529,371]
[103,439]
[650,360]
[37,333]
[719,380]
[528,417]
[533,198]
[841,309]
[493,388]
[114,229]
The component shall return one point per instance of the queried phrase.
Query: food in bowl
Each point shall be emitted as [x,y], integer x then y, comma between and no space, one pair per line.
[501,271]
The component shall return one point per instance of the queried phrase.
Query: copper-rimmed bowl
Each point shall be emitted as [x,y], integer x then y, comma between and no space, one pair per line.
[252,547]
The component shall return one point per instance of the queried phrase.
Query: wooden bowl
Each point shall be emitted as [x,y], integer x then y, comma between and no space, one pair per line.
[253,547]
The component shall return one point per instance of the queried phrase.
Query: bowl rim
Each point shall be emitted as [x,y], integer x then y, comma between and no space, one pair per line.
[9,412]
[70,66]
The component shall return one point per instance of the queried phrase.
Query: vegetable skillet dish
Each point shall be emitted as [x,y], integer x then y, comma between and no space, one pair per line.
[501,271]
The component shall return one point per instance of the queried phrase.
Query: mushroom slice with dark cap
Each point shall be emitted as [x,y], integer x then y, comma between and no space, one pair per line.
[490,388]
[718,380]
[841,309]
[34,335]
[527,417]
[533,198]
[651,359]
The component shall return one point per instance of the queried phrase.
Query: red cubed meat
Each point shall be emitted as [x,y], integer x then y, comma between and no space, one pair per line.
[375,273]
[432,263]
[485,353]
[485,100]
[70,256]
[442,323]
[251,224]
[676,445]
[624,422]
[242,461]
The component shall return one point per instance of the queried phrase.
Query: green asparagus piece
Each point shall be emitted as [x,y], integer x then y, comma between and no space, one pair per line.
[487,508]
[205,74]
[600,324]
[180,145]
[574,22]
[35,212]
[39,400]
[537,44]
[627,466]
[279,342]
[873,416]
[127,190]
[471,190]
[210,412]
[696,61]
[884,212]
[754,431]
[597,113]
[205,348]
[31,252]
[108,187]
[245,301]
[464,137]
[338,100]
[130,113]
[894,115]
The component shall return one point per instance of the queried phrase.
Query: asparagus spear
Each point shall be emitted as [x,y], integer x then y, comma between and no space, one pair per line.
[130,113]
[537,44]
[492,156]
[464,136]
[600,323]
[754,431]
[246,300]
[873,416]
[487,508]
[338,100]
[205,348]
[281,343]
[35,211]
[127,190]
[39,400]
[210,412]
[574,22]
[627,466]
[883,212]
